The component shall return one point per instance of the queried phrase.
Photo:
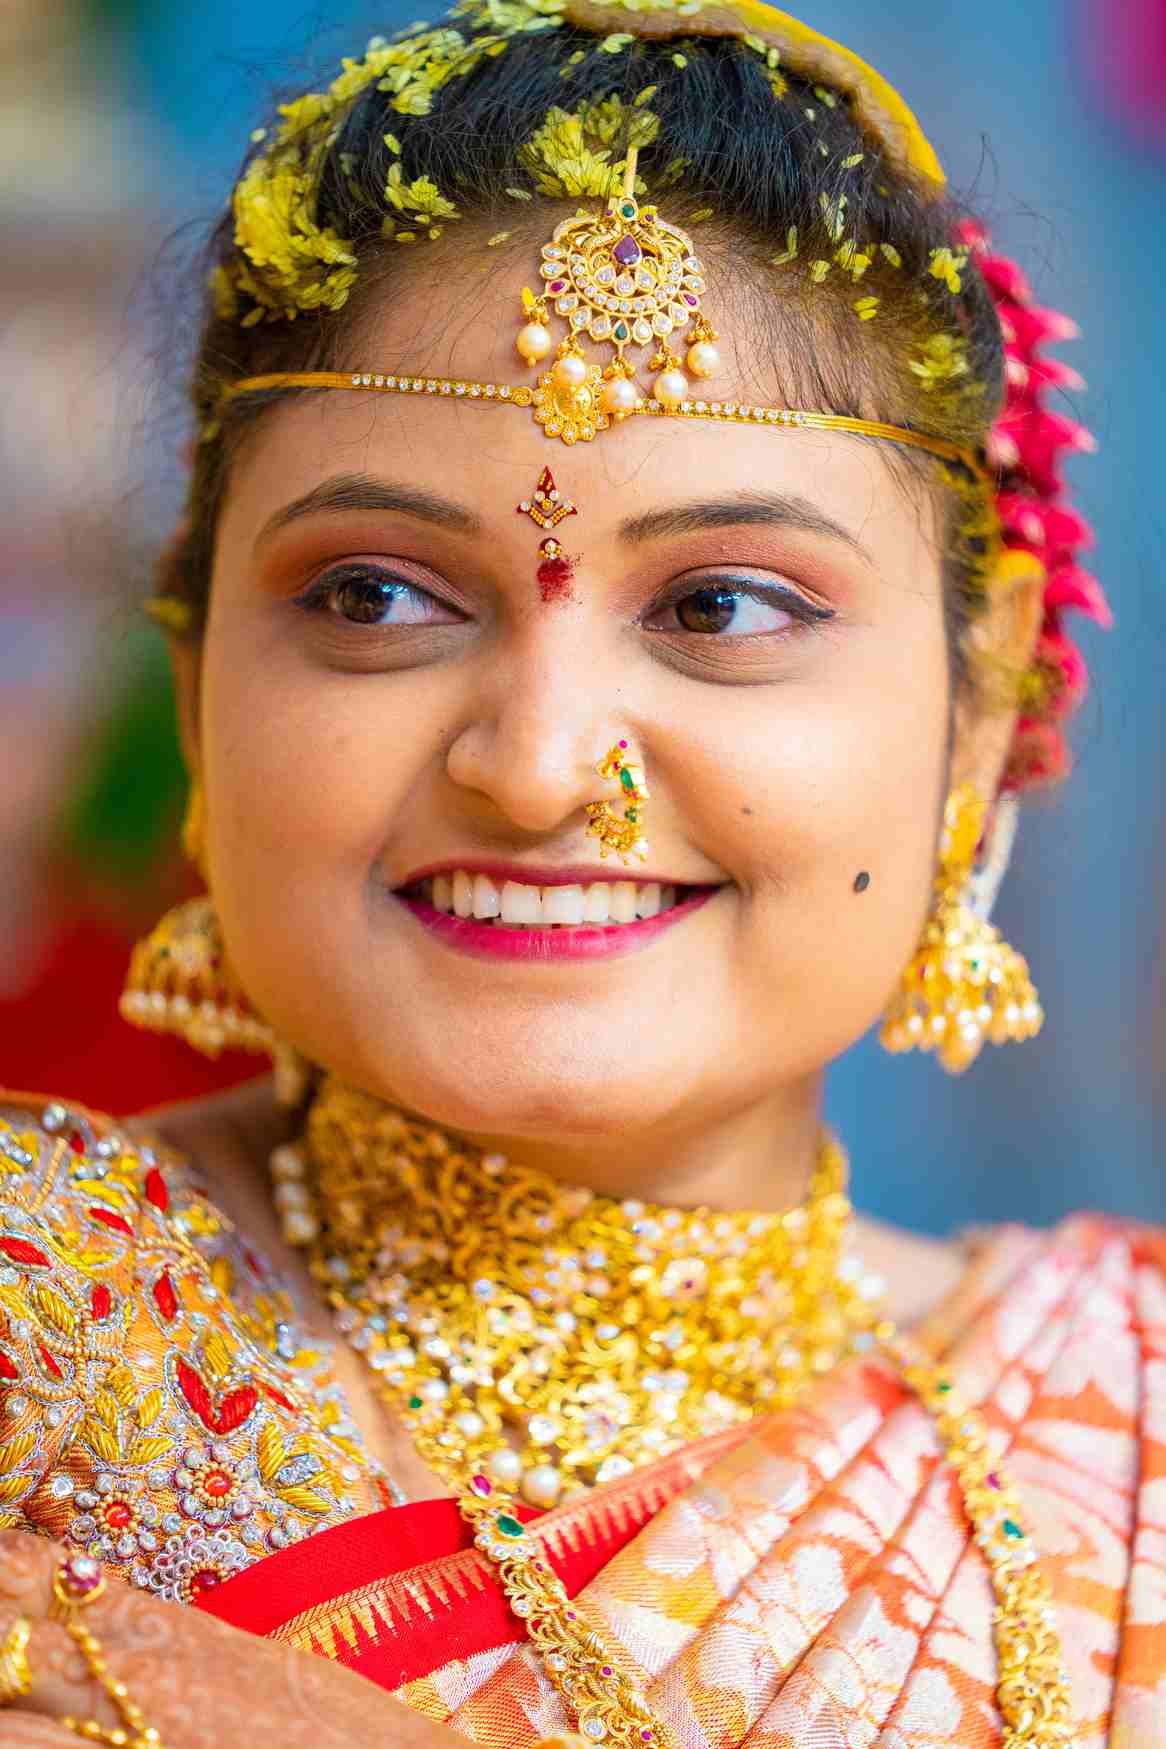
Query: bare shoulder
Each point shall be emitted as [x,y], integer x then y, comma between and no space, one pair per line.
[919,1270]
[219,1132]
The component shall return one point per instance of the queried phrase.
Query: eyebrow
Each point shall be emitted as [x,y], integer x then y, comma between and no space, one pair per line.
[756,508]
[366,492]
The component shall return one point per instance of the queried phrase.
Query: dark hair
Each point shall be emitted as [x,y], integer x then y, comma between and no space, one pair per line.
[750,149]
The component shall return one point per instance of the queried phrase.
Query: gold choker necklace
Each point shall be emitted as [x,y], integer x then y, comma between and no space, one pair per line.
[535,1337]
[542,1335]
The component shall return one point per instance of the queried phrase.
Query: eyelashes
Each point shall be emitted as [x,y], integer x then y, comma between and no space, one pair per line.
[709,608]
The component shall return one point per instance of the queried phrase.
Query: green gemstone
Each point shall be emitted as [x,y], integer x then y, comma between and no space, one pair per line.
[626,778]
[631,814]
[944,1385]
[508,1526]
[628,210]
[1011,1528]
[620,331]
[415,1402]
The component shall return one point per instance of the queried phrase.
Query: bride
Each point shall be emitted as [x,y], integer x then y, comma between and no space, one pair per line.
[570,790]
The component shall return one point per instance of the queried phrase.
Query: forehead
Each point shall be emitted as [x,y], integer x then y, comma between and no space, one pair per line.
[457,314]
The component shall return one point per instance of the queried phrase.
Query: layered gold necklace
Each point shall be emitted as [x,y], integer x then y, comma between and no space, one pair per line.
[547,1337]
[536,1339]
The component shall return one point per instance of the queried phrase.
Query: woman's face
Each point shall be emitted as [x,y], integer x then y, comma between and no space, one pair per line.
[433,710]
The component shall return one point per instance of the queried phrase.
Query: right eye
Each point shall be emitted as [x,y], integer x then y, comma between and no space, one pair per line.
[362,595]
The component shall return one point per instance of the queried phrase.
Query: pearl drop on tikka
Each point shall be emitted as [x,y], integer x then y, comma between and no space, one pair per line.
[620,397]
[533,342]
[569,372]
[670,388]
[703,359]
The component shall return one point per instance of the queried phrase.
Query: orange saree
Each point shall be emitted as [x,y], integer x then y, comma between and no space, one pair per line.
[811,1578]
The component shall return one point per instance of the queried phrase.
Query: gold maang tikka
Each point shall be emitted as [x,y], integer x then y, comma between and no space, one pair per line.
[624,277]
[623,834]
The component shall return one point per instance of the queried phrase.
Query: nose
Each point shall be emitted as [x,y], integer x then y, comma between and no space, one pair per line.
[531,746]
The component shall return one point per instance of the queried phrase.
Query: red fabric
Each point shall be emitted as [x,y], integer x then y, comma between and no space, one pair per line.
[65,1031]
[401,1540]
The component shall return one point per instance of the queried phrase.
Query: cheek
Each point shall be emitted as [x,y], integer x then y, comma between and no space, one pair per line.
[849,782]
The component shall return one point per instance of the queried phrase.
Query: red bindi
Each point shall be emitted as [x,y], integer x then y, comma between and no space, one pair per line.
[555,572]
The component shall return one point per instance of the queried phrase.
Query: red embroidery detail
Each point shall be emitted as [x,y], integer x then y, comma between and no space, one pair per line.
[77,1142]
[21,1251]
[102,1302]
[8,1367]
[232,1411]
[50,1363]
[118,1514]
[253,1264]
[278,1397]
[165,1297]
[107,1218]
[196,1393]
[235,1408]
[204,1580]
[157,1189]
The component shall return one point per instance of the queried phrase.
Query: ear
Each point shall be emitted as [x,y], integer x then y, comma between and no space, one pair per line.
[186,661]
[1000,648]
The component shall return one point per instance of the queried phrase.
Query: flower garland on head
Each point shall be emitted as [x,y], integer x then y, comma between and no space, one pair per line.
[1026,444]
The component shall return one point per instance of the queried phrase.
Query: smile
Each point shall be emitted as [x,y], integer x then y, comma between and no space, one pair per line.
[513,920]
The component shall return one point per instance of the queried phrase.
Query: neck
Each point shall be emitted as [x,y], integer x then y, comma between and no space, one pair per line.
[758,1156]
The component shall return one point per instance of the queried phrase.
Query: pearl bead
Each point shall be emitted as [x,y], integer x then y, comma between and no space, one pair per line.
[703,359]
[286,1164]
[300,1227]
[569,371]
[469,1423]
[542,1485]
[534,342]
[291,1196]
[505,1466]
[620,397]
[670,388]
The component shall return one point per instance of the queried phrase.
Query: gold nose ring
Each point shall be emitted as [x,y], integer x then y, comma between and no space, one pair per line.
[621,833]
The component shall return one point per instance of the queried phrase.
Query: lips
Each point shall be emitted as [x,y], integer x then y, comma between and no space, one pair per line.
[493,938]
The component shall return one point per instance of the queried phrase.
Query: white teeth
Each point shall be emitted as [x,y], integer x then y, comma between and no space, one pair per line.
[463,894]
[597,902]
[521,904]
[648,899]
[562,904]
[623,901]
[486,900]
[512,905]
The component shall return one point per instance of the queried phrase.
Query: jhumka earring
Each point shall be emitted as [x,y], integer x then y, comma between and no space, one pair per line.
[180,981]
[964,983]
[623,834]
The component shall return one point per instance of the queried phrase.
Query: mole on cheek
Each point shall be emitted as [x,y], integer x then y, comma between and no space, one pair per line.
[861,882]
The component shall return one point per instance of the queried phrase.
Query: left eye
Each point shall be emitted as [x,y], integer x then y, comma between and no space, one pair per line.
[741,609]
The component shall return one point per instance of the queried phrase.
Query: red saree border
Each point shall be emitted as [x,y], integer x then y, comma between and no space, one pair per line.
[394,1594]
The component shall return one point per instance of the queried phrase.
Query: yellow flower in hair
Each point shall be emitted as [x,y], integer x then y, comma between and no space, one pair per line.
[421,196]
[946,264]
[851,257]
[944,358]
[570,154]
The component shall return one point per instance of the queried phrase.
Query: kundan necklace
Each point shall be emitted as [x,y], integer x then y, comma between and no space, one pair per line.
[546,1337]
[535,1339]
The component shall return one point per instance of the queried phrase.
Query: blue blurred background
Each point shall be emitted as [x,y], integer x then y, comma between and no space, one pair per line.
[122,123]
